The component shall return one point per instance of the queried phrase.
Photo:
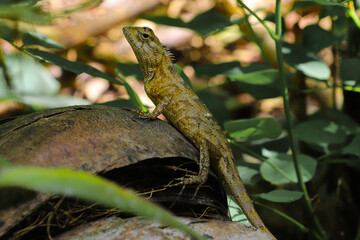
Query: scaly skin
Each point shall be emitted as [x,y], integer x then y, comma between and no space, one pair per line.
[183,108]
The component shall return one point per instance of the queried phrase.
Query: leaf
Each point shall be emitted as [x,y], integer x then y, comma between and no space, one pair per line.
[264,77]
[287,172]
[254,128]
[7,33]
[88,187]
[321,132]
[19,2]
[224,68]
[215,105]
[131,69]
[324,2]
[29,77]
[260,84]
[235,211]
[26,13]
[250,173]
[180,71]
[165,20]
[209,21]
[316,38]
[303,4]
[34,38]
[72,66]
[354,147]
[281,195]
[305,61]
[134,98]
[350,71]
[205,23]
[343,119]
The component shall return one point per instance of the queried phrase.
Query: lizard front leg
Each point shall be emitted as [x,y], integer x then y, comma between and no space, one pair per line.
[204,168]
[164,103]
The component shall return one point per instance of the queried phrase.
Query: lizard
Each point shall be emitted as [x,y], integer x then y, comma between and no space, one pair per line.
[183,109]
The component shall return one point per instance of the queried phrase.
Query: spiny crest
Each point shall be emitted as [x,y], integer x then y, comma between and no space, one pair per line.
[169,53]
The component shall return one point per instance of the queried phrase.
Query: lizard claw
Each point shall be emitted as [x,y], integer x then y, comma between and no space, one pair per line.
[140,113]
[190,180]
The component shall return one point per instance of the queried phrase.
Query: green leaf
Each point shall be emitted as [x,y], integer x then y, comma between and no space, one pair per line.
[34,38]
[249,172]
[28,76]
[134,98]
[284,171]
[165,20]
[235,211]
[321,132]
[227,69]
[354,147]
[254,128]
[316,38]
[350,71]
[303,4]
[7,33]
[281,195]
[131,69]
[72,66]
[325,2]
[261,84]
[344,120]
[224,68]
[209,21]
[215,105]
[88,187]
[264,77]
[180,71]
[305,61]
[24,13]
[19,2]
[205,23]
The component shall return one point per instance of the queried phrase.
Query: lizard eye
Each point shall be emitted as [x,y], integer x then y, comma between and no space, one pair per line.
[145,36]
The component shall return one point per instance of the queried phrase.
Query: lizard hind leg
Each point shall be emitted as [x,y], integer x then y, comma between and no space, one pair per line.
[204,168]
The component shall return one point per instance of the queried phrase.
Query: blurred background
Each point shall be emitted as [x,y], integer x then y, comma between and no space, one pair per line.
[91,32]
[56,53]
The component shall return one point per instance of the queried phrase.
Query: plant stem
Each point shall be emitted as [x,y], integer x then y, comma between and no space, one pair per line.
[289,120]
[256,39]
[287,217]
[352,13]
[270,31]
[334,74]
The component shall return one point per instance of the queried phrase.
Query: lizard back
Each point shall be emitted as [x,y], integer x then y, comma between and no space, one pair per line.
[186,111]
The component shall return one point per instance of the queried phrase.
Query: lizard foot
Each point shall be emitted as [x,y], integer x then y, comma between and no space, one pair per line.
[184,181]
[189,180]
[141,113]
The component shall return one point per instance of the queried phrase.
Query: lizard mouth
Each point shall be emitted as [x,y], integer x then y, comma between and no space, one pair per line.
[129,37]
[127,34]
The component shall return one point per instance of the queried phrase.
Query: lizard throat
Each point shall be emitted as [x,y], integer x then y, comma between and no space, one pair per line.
[150,68]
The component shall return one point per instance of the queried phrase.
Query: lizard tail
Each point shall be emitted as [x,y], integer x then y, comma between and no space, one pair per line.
[229,172]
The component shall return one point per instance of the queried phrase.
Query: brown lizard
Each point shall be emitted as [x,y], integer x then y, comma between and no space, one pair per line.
[183,108]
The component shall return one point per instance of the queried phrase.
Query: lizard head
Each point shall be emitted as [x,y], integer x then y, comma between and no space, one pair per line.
[148,49]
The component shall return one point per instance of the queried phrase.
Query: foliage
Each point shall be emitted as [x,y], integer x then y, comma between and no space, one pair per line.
[32,84]
[92,188]
[290,163]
